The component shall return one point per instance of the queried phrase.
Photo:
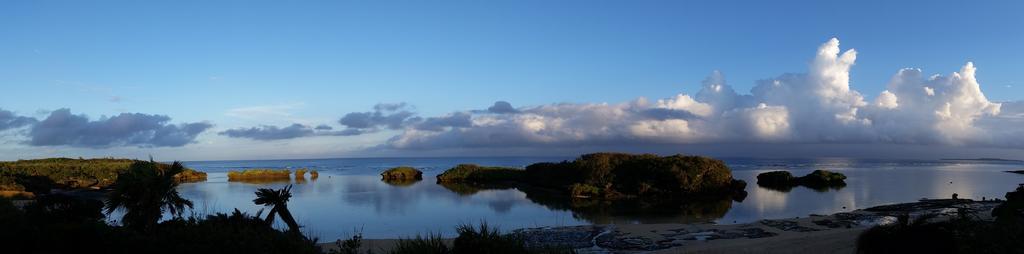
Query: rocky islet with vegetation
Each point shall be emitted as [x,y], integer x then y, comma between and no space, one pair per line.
[818,180]
[612,176]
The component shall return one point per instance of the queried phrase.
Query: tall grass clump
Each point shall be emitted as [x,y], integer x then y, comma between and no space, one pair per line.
[484,238]
[430,244]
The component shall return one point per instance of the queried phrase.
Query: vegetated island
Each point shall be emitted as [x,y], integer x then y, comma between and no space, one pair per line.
[23,177]
[820,180]
[259,173]
[611,176]
[269,175]
[401,176]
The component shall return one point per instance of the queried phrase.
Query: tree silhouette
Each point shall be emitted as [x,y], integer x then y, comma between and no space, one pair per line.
[278,201]
[144,191]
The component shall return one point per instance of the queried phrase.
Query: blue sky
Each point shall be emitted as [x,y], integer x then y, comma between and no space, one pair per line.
[314,62]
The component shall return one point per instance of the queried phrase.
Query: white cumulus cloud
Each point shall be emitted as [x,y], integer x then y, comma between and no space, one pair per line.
[818,106]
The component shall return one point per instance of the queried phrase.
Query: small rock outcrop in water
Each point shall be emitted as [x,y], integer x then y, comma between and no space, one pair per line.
[401,174]
[818,180]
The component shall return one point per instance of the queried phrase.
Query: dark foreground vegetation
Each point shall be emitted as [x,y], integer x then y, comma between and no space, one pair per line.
[612,176]
[965,233]
[820,180]
[39,176]
[482,239]
[146,190]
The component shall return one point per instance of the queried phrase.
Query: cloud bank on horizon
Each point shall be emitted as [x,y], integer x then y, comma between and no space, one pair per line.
[817,107]
[814,107]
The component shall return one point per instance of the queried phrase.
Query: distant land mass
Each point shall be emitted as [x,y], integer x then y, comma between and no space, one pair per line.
[984,159]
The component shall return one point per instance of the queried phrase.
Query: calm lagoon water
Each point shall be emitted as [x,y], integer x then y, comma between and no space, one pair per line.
[349,195]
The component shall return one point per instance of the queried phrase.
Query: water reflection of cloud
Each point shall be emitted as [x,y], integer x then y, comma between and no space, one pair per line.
[400,200]
[501,201]
[769,200]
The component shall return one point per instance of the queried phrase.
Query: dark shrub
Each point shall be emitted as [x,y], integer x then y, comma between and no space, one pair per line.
[962,234]
[555,175]
[584,190]
[237,232]
[904,237]
[775,178]
[65,209]
[348,246]
[1011,211]
[59,225]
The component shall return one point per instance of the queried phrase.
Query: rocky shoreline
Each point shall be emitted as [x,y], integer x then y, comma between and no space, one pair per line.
[642,238]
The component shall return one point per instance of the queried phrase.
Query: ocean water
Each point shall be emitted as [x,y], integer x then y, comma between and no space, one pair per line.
[349,196]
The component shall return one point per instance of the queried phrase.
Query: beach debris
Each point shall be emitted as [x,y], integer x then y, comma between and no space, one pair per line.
[835,223]
[787,225]
[574,237]
[622,241]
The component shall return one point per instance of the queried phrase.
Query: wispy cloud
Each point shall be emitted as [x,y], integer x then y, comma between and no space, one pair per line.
[262,112]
